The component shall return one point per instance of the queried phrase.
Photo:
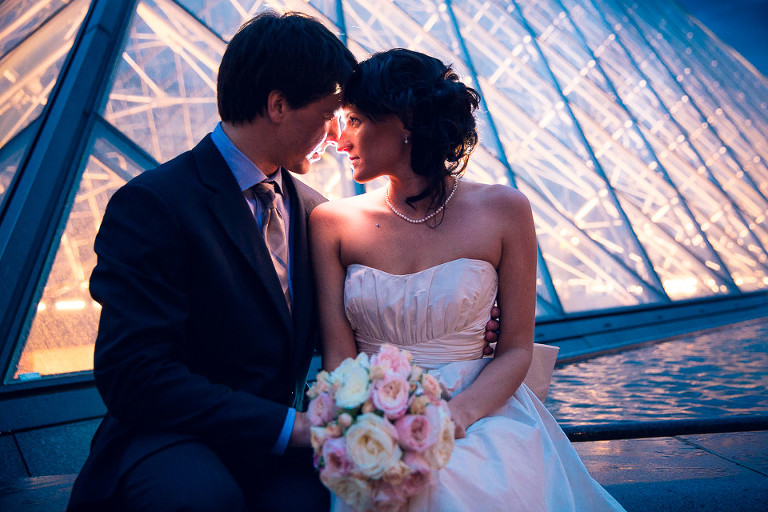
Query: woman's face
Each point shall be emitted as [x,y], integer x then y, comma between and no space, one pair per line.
[374,149]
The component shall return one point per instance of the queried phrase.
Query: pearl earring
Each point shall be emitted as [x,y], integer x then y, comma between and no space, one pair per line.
[405,140]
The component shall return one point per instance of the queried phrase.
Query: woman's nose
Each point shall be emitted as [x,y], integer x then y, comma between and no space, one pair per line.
[342,142]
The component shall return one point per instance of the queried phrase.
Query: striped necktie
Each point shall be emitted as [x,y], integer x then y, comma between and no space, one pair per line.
[274,233]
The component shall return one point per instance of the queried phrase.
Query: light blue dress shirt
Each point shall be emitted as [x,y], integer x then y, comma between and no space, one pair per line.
[247,175]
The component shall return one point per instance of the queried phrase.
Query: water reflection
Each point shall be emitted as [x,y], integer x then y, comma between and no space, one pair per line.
[716,373]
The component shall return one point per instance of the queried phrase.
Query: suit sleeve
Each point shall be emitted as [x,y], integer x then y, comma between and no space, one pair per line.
[141,280]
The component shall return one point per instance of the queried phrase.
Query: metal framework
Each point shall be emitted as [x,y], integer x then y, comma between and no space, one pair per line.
[638,137]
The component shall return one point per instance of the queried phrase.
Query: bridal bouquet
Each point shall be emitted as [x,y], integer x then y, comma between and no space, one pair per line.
[380,429]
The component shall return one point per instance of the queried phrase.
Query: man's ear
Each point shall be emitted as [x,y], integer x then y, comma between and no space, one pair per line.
[276,106]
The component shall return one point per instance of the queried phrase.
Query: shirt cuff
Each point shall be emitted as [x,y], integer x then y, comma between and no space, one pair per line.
[285,435]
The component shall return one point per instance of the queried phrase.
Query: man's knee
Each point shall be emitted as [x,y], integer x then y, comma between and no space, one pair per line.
[187,477]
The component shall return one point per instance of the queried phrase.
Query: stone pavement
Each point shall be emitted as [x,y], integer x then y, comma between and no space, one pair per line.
[702,472]
[692,473]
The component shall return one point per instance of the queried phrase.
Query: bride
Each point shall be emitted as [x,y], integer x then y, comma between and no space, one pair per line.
[420,262]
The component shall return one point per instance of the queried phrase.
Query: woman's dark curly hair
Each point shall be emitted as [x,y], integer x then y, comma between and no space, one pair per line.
[437,109]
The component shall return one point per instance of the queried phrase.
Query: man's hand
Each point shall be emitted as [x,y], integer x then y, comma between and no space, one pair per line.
[492,331]
[300,435]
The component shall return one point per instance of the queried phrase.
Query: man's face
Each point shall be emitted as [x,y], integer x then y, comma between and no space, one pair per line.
[306,130]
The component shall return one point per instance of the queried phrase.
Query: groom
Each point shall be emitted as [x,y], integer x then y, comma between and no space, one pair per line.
[208,321]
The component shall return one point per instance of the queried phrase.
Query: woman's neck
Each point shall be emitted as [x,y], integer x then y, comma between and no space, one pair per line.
[402,188]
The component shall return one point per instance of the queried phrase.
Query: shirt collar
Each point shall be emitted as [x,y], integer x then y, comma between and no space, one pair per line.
[245,171]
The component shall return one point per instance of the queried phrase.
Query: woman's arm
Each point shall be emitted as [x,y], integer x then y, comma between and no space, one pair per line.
[501,378]
[338,341]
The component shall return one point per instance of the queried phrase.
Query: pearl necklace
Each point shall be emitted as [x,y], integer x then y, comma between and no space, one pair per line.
[425,219]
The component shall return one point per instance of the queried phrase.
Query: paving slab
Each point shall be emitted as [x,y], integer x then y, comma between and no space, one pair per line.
[713,472]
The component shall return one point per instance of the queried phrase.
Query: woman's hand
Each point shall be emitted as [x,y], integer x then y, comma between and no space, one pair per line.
[459,421]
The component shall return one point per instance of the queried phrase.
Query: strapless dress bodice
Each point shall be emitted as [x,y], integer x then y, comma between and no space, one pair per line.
[438,314]
[516,458]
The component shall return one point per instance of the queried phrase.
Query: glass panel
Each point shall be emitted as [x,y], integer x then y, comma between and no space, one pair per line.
[585,276]
[63,330]
[163,94]
[715,166]
[414,24]
[18,18]
[225,16]
[29,71]
[11,156]
[675,207]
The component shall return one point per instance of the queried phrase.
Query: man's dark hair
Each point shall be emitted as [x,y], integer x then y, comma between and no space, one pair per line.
[292,53]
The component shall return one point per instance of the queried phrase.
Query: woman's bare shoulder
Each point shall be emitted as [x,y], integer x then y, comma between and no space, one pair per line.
[498,196]
[341,209]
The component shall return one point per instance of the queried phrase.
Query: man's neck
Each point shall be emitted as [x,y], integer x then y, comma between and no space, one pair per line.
[247,137]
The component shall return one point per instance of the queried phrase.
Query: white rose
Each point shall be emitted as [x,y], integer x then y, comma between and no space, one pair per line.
[350,380]
[372,445]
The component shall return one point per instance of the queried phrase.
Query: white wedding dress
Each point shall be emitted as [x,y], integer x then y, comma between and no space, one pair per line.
[518,459]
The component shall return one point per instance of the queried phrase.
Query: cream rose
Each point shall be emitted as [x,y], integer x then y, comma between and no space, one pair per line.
[318,435]
[440,416]
[356,492]
[350,380]
[372,445]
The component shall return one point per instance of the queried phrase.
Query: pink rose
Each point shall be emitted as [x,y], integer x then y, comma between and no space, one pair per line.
[388,498]
[393,360]
[335,456]
[321,410]
[419,476]
[390,396]
[431,387]
[415,432]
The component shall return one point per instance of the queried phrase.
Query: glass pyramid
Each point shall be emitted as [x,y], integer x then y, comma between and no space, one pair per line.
[637,135]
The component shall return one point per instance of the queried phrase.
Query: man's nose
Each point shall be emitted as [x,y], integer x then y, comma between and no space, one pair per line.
[333,131]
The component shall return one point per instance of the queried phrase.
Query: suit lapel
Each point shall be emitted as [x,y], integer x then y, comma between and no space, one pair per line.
[229,207]
[302,279]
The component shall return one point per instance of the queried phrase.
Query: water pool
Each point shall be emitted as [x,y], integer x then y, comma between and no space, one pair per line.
[704,375]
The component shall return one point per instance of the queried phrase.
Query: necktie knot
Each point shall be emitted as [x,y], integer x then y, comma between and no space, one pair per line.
[265,192]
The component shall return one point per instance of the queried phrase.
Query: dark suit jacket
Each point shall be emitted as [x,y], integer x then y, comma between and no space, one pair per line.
[195,339]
